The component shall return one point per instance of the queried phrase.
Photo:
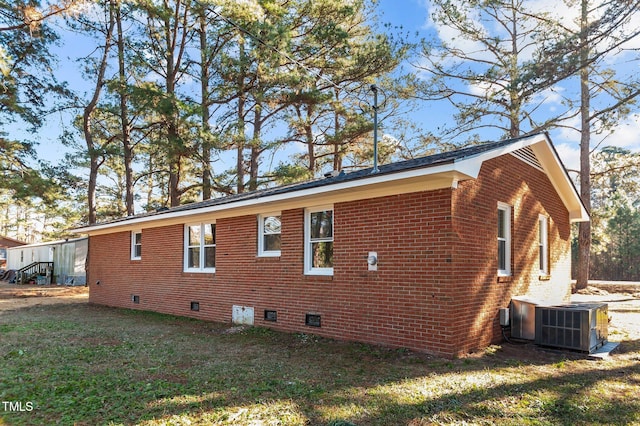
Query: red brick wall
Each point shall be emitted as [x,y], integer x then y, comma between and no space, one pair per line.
[481,294]
[434,290]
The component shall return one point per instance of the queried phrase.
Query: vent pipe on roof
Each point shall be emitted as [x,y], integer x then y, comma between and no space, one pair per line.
[374,89]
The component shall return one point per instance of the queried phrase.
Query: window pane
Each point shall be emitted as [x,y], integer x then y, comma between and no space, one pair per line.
[137,250]
[541,257]
[322,255]
[501,223]
[272,225]
[137,237]
[272,242]
[209,234]
[194,235]
[209,257]
[541,232]
[502,255]
[322,224]
[193,260]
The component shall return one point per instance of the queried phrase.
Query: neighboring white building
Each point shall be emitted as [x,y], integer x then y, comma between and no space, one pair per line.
[68,257]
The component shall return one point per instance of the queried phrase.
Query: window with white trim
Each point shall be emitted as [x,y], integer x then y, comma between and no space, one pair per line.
[543,244]
[136,245]
[318,236]
[200,247]
[269,231]
[504,239]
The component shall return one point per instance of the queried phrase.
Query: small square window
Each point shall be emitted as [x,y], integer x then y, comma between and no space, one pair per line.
[195,306]
[135,298]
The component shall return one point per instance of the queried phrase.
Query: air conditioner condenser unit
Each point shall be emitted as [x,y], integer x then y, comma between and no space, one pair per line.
[582,327]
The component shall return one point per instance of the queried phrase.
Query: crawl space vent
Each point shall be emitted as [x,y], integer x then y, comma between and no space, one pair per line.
[271,315]
[312,320]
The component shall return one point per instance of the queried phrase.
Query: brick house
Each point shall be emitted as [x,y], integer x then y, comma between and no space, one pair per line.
[5,243]
[421,254]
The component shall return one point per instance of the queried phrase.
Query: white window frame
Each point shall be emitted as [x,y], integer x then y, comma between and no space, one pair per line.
[201,268]
[134,244]
[543,244]
[506,272]
[308,264]
[261,234]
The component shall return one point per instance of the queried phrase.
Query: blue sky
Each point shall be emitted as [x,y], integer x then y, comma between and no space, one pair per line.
[413,15]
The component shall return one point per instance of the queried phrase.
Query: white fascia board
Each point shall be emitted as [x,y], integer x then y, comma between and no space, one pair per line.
[561,181]
[445,175]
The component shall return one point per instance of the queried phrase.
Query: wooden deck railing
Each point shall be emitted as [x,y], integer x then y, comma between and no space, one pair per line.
[36,268]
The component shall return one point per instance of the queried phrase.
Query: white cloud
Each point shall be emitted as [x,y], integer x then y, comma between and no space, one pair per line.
[625,135]
[567,140]
[569,155]
[550,97]
[558,11]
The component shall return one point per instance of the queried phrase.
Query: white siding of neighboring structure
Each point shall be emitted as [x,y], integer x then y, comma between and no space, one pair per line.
[68,258]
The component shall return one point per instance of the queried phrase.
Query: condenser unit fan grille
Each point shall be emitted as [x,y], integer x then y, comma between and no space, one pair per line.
[580,327]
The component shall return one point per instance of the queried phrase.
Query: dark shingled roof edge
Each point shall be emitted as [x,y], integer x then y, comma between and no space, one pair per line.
[386,169]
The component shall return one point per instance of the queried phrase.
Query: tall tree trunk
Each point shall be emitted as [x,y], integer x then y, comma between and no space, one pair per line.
[240,132]
[150,183]
[584,233]
[255,148]
[204,106]
[172,128]
[308,133]
[337,154]
[175,40]
[94,163]
[127,146]
[240,139]
[514,71]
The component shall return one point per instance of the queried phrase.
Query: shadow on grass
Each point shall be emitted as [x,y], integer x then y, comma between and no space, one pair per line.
[87,364]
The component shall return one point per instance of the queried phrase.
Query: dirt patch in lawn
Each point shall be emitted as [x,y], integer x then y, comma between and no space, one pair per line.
[14,296]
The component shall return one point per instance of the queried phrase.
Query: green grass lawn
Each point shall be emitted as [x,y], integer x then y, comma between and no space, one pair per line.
[90,365]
